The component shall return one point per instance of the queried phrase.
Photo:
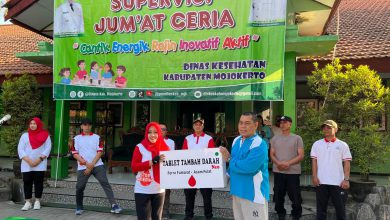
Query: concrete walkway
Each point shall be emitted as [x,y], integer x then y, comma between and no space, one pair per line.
[10,209]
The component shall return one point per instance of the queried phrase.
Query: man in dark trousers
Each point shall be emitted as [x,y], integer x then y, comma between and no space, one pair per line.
[87,150]
[330,177]
[197,141]
[286,154]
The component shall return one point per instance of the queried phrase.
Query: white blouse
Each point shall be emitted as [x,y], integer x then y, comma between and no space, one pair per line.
[25,149]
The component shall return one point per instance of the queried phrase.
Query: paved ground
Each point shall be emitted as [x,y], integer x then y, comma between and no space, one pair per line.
[10,209]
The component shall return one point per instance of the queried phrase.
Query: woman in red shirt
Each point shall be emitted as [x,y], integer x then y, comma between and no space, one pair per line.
[149,197]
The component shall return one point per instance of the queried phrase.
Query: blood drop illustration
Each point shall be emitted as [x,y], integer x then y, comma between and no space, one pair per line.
[192,181]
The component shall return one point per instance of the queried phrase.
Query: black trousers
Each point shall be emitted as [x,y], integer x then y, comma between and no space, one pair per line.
[190,202]
[287,183]
[338,196]
[33,178]
[167,201]
[149,206]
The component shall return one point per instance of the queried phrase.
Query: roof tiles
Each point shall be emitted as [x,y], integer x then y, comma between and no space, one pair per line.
[363,30]
[14,39]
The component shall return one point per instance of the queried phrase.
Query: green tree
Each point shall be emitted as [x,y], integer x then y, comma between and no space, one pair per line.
[354,97]
[367,147]
[310,133]
[21,99]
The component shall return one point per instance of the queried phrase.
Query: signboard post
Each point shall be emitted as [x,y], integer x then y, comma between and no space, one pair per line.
[169,49]
[193,169]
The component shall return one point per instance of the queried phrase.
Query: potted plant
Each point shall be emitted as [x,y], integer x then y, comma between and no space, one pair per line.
[354,98]
[20,97]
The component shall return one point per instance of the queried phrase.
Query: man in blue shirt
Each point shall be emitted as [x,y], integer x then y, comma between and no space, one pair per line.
[248,171]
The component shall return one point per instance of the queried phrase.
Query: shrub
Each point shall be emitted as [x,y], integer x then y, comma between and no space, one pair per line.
[21,99]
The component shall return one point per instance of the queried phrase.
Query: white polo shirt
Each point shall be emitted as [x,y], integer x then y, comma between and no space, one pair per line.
[330,156]
[87,146]
[195,142]
[170,143]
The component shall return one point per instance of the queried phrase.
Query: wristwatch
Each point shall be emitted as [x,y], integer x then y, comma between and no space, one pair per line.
[346,179]
[41,158]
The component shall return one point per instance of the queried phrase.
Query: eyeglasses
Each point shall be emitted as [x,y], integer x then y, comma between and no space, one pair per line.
[163,129]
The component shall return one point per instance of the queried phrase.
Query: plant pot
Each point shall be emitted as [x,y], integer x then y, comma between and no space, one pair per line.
[359,189]
[17,168]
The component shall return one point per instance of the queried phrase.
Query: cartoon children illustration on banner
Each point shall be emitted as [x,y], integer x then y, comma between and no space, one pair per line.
[99,76]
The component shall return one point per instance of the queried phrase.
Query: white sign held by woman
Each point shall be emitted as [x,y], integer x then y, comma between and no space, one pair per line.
[193,169]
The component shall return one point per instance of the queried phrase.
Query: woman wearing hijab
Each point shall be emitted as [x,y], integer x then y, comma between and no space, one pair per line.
[264,130]
[33,149]
[149,197]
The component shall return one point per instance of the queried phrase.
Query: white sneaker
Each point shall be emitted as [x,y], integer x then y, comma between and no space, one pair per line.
[37,205]
[27,206]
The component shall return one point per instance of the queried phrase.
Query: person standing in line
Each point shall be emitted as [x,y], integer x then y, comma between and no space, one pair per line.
[171,145]
[276,128]
[149,197]
[264,130]
[330,177]
[286,154]
[197,141]
[248,171]
[87,150]
[33,149]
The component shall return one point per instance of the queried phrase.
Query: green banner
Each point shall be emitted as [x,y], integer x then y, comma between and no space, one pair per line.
[169,49]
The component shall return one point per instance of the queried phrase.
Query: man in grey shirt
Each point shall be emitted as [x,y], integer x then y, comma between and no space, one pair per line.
[286,154]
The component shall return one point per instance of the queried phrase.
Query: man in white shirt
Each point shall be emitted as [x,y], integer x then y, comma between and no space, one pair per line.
[329,175]
[197,141]
[68,19]
[87,150]
[171,145]
[168,141]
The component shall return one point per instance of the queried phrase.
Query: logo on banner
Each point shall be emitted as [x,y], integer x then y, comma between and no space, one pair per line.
[132,94]
[72,94]
[140,94]
[149,93]
[197,94]
[80,94]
